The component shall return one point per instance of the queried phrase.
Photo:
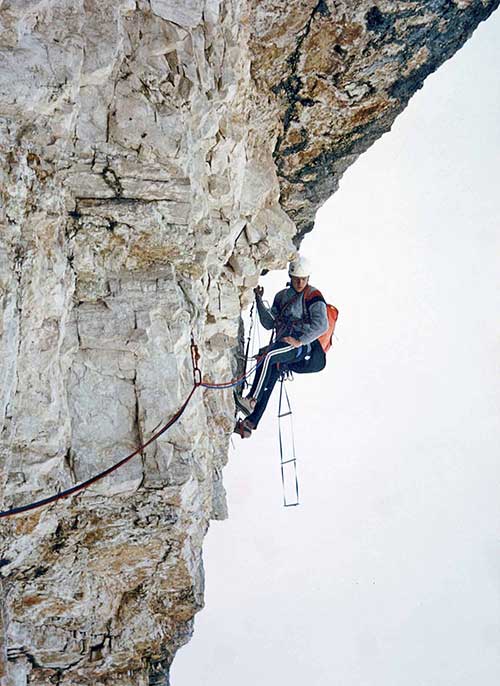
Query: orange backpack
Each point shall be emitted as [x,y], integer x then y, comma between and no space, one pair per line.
[325,340]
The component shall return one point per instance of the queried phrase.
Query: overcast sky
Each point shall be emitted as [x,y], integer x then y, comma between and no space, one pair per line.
[388,573]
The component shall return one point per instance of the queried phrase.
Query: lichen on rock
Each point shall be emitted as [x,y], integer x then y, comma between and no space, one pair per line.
[156,156]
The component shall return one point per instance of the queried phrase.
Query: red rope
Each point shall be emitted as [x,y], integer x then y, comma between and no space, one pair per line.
[106,472]
[197,382]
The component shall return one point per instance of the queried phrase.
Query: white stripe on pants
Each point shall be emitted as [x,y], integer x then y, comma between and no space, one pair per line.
[278,351]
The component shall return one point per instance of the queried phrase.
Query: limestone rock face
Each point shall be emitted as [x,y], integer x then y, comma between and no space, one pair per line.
[156,156]
[342,71]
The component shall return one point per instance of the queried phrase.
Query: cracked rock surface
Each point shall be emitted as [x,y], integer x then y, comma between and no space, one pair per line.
[156,156]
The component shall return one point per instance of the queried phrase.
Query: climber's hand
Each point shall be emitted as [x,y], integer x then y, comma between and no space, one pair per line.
[259,291]
[292,341]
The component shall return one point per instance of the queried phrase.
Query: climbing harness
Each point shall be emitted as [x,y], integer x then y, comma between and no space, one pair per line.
[197,383]
[289,500]
[283,324]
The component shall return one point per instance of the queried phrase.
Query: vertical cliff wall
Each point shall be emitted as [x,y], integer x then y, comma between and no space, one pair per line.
[155,157]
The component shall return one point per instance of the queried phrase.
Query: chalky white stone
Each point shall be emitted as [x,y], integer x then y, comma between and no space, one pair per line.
[156,156]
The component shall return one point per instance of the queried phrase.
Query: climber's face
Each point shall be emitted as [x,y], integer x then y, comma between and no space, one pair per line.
[299,283]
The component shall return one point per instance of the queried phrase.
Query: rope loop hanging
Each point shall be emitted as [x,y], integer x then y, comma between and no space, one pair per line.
[197,383]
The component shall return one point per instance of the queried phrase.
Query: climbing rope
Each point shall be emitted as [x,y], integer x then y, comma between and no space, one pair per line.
[249,338]
[106,472]
[238,380]
[197,383]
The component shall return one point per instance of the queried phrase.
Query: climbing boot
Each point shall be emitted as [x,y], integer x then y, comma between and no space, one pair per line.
[245,405]
[243,428]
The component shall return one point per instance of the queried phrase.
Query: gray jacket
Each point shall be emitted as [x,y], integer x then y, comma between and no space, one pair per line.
[291,315]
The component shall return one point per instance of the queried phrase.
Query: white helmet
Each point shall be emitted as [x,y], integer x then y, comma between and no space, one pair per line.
[299,267]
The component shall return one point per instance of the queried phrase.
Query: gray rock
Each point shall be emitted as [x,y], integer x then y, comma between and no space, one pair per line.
[155,157]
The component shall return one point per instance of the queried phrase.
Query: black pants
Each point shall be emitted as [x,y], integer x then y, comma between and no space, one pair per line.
[303,360]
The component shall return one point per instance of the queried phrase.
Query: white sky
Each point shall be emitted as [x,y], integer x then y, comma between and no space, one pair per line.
[388,574]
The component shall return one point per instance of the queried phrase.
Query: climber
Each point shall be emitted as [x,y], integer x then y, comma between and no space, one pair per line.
[298,317]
